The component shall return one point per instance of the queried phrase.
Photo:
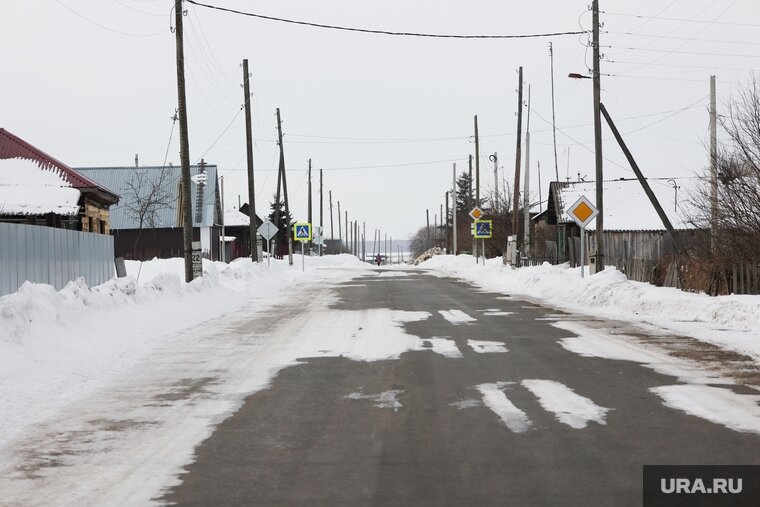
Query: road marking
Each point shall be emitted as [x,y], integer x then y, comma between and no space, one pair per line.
[493,398]
[486,347]
[567,406]
[497,313]
[456,316]
[386,399]
[444,347]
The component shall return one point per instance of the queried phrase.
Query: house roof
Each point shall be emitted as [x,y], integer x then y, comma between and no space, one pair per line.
[27,188]
[626,205]
[206,207]
[12,146]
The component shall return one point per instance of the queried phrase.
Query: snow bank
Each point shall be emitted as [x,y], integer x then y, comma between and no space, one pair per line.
[732,322]
[55,346]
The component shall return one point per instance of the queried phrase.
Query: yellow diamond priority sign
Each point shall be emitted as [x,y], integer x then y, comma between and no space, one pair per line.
[476,213]
[583,212]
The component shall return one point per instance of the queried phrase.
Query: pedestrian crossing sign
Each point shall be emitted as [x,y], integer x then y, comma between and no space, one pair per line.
[302,232]
[483,229]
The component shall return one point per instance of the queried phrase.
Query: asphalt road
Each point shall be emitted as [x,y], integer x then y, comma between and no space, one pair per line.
[317,436]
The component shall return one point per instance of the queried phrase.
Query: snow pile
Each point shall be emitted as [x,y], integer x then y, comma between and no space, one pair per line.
[28,189]
[428,255]
[728,321]
[57,345]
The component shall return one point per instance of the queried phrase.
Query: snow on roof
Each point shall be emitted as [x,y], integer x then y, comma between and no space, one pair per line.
[234,218]
[28,189]
[627,207]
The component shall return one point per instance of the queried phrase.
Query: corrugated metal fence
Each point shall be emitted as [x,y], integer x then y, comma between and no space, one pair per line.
[52,256]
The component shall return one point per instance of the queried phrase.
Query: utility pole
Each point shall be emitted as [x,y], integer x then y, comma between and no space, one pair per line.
[495,159]
[554,120]
[713,166]
[526,190]
[321,215]
[340,231]
[364,241]
[427,217]
[518,156]
[221,198]
[184,145]
[477,185]
[253,226]
[448,238]
[332,236]
[596,77]
[540,200]
[454,207]
[284,189]
[347,232]
[309,215]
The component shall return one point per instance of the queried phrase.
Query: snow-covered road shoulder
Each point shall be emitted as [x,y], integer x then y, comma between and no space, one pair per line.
[731,322]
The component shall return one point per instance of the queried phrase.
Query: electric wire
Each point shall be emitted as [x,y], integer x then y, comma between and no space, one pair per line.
[104,27]
[381,32]
[662,18]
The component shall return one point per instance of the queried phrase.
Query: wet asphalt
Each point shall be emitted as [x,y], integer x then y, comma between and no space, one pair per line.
[307,441]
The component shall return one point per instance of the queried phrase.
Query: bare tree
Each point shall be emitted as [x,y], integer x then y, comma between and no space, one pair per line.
[145,195]
[737,221]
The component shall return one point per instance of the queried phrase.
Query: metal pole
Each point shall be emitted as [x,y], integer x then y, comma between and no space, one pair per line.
[713,166]
[583,250]
[221,182]
[303,257]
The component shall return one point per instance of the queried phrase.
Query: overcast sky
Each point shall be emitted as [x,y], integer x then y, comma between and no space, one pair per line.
[93,82]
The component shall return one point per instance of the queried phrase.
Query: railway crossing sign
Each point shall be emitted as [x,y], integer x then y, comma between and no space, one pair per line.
[483,229]
[302,232]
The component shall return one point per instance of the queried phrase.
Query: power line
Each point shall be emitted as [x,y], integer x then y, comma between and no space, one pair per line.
[104,27]
[679,66]
[706,21]
[684,52]
[723,41]
[383,32]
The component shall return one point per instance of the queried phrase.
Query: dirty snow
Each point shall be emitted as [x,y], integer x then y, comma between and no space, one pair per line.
[386,399]
[740,412]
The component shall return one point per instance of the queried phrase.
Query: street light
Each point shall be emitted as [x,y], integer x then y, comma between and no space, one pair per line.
[575,75]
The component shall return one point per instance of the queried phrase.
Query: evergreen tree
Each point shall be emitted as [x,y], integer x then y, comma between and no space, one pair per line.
[284,224]
[465,193]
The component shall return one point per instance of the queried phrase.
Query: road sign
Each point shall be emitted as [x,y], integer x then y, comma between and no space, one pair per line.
[583,211]
[476,213]
[197,259]
[483,229]
[317,239]
[302,232]
[267,230]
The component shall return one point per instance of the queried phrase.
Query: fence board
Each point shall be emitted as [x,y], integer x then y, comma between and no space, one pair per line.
[52,256]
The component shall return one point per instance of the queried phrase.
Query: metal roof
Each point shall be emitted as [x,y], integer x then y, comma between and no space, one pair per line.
[118,179]
[12,146]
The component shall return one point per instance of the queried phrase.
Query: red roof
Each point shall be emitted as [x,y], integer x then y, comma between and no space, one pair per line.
[12,146]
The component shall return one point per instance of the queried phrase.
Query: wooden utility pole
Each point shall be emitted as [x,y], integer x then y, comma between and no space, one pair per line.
[184,145]
[340,231]
[518,156]
[454,208]
[321,215]
[596,78]
[427,217]
[713,166]
[644,184]
[309,215]
[495,159]
[364,241]
[448,240]
[347,232]
[477,184]
[284,189]
[332,235]
[253,227]
[554,121]
[526,190]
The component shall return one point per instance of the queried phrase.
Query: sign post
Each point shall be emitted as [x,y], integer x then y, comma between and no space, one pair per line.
[583,212]
[303,233]
[268,230]
[482,230]
[476,214]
